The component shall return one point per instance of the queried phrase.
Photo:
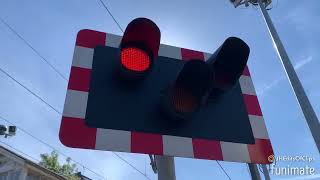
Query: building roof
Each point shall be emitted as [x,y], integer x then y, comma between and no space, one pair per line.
[31,164]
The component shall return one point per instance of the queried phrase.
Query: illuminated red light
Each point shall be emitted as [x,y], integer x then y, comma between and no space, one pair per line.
[135,59]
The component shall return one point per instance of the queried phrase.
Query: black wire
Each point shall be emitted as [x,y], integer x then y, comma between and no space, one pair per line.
[248,170]
[36,160]
[30,46]
[44,59]
[26,132]
[33,49]
[12,78]
[60,114]
[225,172]
[109,12]
[259,167]
[131,165]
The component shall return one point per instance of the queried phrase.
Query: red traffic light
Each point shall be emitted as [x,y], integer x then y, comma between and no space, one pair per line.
[189,91]
[139,45]
[135,59]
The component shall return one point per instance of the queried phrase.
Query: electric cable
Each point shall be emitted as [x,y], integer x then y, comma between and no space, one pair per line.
[53,148]
[31,47]
[49,105]
[50,146]
[225,172]
[109,12]
[34,159]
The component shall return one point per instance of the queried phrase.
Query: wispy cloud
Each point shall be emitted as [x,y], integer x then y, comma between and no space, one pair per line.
[300,16]
[303,62]
[269,86]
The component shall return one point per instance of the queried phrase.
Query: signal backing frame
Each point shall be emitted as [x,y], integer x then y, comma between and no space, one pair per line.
[75,133]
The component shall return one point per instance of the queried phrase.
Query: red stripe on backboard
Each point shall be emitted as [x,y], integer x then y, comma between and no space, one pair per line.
[188,54]
[207,149]
[90,39]
[79,79]
[74,133]
[260,151]
[246,71]
[146,143]
[252,104]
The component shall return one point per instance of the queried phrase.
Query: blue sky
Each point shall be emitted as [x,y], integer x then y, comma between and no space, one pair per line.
[51,27]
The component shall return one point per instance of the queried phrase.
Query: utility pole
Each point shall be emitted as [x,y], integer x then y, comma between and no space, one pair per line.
[165,167]
[296,85]
[265,172]
[301,96]
[254,171]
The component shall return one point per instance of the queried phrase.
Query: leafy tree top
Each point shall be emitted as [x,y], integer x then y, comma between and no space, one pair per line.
[51,162]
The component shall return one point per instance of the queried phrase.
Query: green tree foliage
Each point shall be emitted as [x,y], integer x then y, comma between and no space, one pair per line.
[51,162]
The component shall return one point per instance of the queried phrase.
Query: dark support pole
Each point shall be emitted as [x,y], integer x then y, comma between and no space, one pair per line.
[166,169]
[254,171]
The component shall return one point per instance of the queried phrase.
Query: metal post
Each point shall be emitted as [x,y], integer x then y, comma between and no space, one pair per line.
[301,96]
[254,171]
[165,167]
[265,172]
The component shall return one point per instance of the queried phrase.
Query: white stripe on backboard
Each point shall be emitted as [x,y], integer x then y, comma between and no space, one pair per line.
[169,51]
[206,56]
[83,57]
[246,85]
[177,146]
[108,139]
[258,127]
[113,40]
[235,152]
[75,104]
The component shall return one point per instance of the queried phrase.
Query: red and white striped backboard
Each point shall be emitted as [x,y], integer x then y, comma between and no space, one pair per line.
[75,133]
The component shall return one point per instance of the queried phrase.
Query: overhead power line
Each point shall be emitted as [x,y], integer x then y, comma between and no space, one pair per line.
[225,172]
[57,111]
[248,170]
[50,146]
[33,49]
[38,161]
[60,74]
[109,12]
[26,155]
[31,92]
[53,148]
[131,165]
[12,78]
[260,168]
